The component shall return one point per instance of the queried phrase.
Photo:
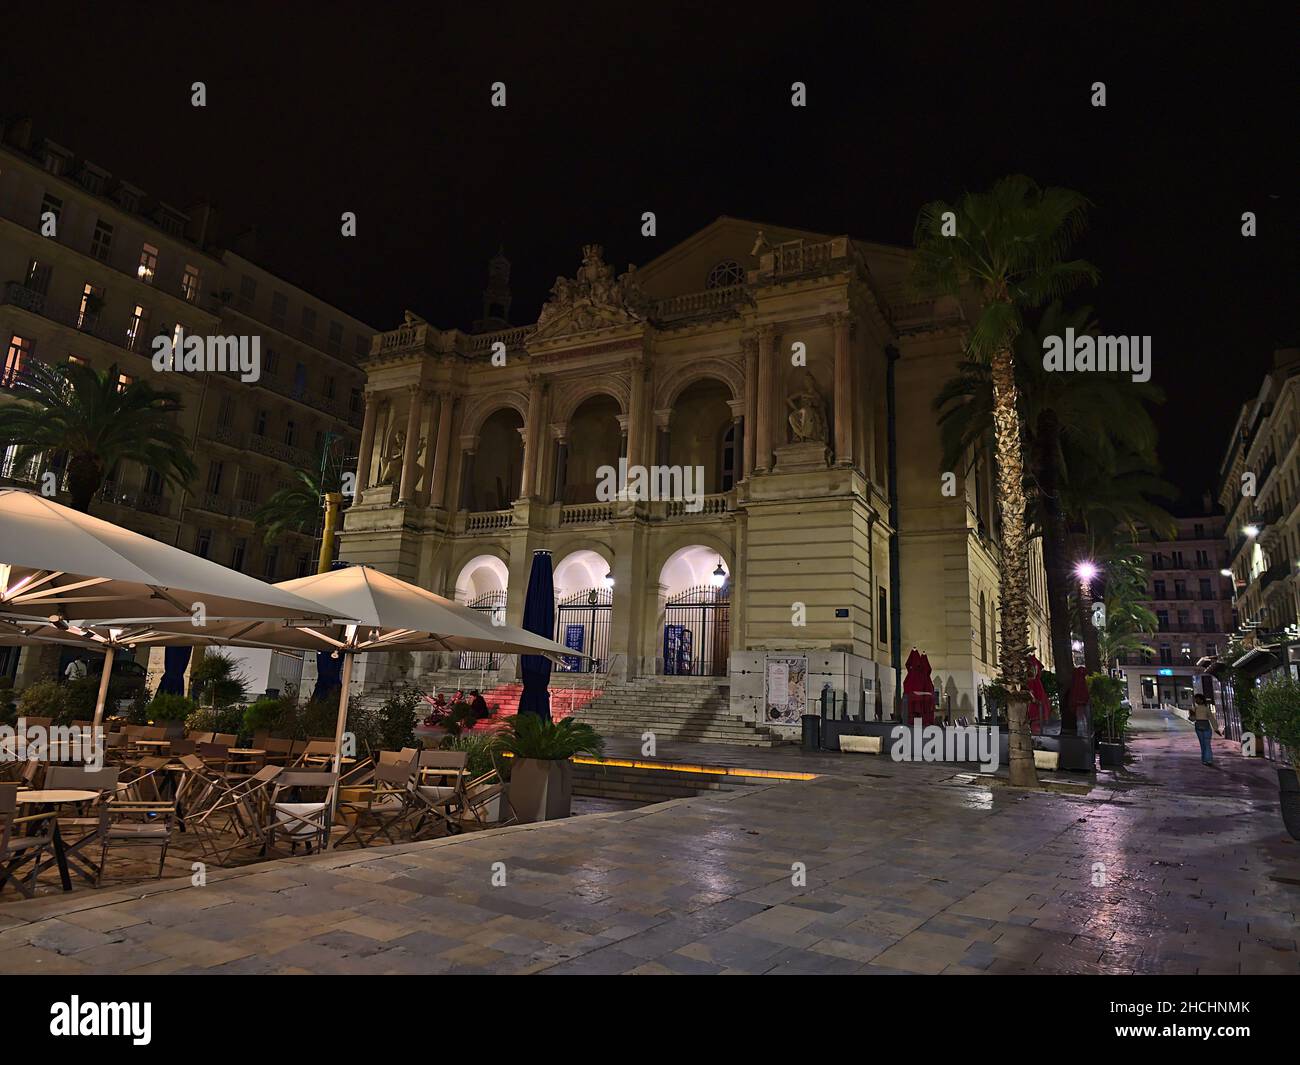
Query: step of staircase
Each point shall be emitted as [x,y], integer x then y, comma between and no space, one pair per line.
[671,708]
[640,784]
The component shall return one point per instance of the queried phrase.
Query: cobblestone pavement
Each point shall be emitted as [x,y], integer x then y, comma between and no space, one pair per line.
[1168,867]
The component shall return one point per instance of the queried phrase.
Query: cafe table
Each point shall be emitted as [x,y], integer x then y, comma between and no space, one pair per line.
[57,797]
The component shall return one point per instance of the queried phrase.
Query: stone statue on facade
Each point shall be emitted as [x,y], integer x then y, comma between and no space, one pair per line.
[593,299]
[394,456]
[807,415]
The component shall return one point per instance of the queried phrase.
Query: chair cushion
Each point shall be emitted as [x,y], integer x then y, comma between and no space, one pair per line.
[130,831]
[284,812]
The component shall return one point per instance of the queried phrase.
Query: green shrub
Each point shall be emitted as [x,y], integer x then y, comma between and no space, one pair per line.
[480,748]
[270,714]
[529,736]
[169,706]
[45,698]
[1277,710]
[396,718]
[223,719]
[1106,694]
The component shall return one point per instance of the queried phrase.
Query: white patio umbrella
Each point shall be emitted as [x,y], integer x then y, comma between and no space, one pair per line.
[388,615]
[67,577]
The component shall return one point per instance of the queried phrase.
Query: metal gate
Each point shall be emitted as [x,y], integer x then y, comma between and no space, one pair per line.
[582,622]
[697,637]
[494,605]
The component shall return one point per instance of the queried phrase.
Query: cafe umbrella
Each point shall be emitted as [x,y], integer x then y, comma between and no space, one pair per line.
[387,614]
[68,577]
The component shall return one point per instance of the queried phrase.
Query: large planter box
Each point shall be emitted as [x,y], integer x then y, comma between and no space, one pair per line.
[541,790]
[1111,755]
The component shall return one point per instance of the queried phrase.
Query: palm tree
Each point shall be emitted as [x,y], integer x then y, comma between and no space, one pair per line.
[1006,248]
[1128,618]
[297,507]
[1070,421]
[218,679]
[74,410]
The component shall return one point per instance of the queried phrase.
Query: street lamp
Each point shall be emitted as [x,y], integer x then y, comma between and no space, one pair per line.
[1251,530]
[719,577]
[609,580]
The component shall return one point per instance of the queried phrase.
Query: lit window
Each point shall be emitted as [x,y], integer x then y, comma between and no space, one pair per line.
[92,302]
[190,283]
[136,327]
[148,264]
[16,358]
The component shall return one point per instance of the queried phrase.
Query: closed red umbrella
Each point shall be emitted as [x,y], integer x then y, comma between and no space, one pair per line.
[918,689]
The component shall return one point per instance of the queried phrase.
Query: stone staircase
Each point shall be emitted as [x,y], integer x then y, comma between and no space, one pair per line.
[673,709]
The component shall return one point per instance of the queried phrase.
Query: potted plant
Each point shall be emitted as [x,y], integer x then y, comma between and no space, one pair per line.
[1106,695]
[1277,709]
[541,773]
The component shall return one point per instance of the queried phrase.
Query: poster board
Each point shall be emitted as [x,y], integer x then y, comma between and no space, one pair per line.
[785,698]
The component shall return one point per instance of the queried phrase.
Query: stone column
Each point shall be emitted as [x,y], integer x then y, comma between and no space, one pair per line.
[750,348]
[430,436]
[438,492]
[406,490]
[663,438]
[765,401]
[468,445]
[561,462]
[532,440]
[623,436]
[841,324]
[367,450]
[739,427]
[636,415]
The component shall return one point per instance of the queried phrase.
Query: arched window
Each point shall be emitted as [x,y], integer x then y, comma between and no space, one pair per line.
[726,273]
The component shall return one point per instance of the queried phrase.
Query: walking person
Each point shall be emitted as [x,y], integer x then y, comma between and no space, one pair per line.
[1204,719]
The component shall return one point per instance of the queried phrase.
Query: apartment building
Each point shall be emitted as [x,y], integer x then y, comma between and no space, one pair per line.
[94,268]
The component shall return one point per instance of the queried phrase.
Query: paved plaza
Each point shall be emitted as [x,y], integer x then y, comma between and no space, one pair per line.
[873,867]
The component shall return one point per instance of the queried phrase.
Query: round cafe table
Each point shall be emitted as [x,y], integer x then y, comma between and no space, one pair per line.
[57,797]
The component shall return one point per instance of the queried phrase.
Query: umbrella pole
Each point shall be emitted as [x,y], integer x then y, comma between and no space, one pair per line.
[346,680]
[102,697]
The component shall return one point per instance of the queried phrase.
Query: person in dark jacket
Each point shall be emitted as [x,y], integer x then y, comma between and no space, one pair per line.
[479,705]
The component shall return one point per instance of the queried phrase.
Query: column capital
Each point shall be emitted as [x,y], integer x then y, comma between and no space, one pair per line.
[749,343]
[559,432]
[737,408]
[663,417]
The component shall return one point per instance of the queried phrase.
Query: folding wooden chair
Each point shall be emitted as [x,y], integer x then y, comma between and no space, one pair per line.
[128,823]
[437,804]
[235,816]
[292,821]
[22,841]
[487,802]
[387,805]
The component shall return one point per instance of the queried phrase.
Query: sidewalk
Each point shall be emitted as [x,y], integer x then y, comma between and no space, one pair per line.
[1168,867]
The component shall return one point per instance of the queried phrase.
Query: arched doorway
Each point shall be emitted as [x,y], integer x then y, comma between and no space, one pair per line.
[498,462]
[584,610]
[697,613]
[482,585]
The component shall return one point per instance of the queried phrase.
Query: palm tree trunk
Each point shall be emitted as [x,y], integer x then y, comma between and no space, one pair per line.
[1056,563]
[84,480]
[1014,566]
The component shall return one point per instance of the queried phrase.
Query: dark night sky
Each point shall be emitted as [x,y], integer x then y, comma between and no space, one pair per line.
[683,109]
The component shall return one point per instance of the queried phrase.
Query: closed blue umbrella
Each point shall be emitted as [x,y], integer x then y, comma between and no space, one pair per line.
[539,618]
[175,661]
[329,676]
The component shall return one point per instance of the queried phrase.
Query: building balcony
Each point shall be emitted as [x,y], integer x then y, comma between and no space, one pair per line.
[576,515]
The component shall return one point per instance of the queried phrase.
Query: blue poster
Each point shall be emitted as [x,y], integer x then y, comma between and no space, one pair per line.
[574,636]
[678,645]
